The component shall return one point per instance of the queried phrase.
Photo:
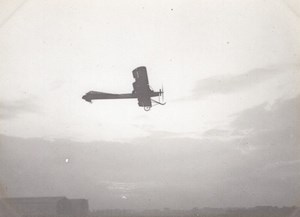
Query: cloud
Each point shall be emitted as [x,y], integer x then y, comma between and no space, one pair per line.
[156,173]
[272,134]
[225,84]
[260,165]
[121,186]
[11,109]
[264,151]
[283,114]
[217,133]
[274,127]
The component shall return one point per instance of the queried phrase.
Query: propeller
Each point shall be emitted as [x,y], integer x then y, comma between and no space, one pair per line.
[161,94]
[161,97]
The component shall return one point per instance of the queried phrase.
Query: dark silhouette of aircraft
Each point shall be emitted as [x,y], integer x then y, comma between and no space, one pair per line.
[141,91]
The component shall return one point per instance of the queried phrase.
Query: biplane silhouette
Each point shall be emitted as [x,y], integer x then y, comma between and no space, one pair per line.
[141,91]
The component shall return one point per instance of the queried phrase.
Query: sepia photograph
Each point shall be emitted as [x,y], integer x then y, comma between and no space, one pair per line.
[138,108]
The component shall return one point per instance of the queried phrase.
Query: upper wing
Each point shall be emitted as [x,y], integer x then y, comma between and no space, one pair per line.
[140,75]
[141,86]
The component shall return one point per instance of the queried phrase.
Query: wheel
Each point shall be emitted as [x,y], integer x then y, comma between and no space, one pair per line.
[147,108]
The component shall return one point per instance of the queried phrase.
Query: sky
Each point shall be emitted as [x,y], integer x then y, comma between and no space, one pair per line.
[228,135]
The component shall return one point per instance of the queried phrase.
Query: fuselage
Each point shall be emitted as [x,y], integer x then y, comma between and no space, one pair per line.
[93,95]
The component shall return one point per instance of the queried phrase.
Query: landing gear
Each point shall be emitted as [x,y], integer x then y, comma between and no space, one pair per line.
[147,108]
[157,102]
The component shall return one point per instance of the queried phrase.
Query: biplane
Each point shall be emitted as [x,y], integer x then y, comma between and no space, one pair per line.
[141,91]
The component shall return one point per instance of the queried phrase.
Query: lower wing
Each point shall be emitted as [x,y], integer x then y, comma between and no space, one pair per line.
[93,95]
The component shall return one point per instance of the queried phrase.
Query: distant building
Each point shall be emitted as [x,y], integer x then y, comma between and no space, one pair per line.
[43,207]
[79,207]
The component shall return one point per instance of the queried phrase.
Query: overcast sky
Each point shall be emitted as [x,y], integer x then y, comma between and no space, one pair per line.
[228,135]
